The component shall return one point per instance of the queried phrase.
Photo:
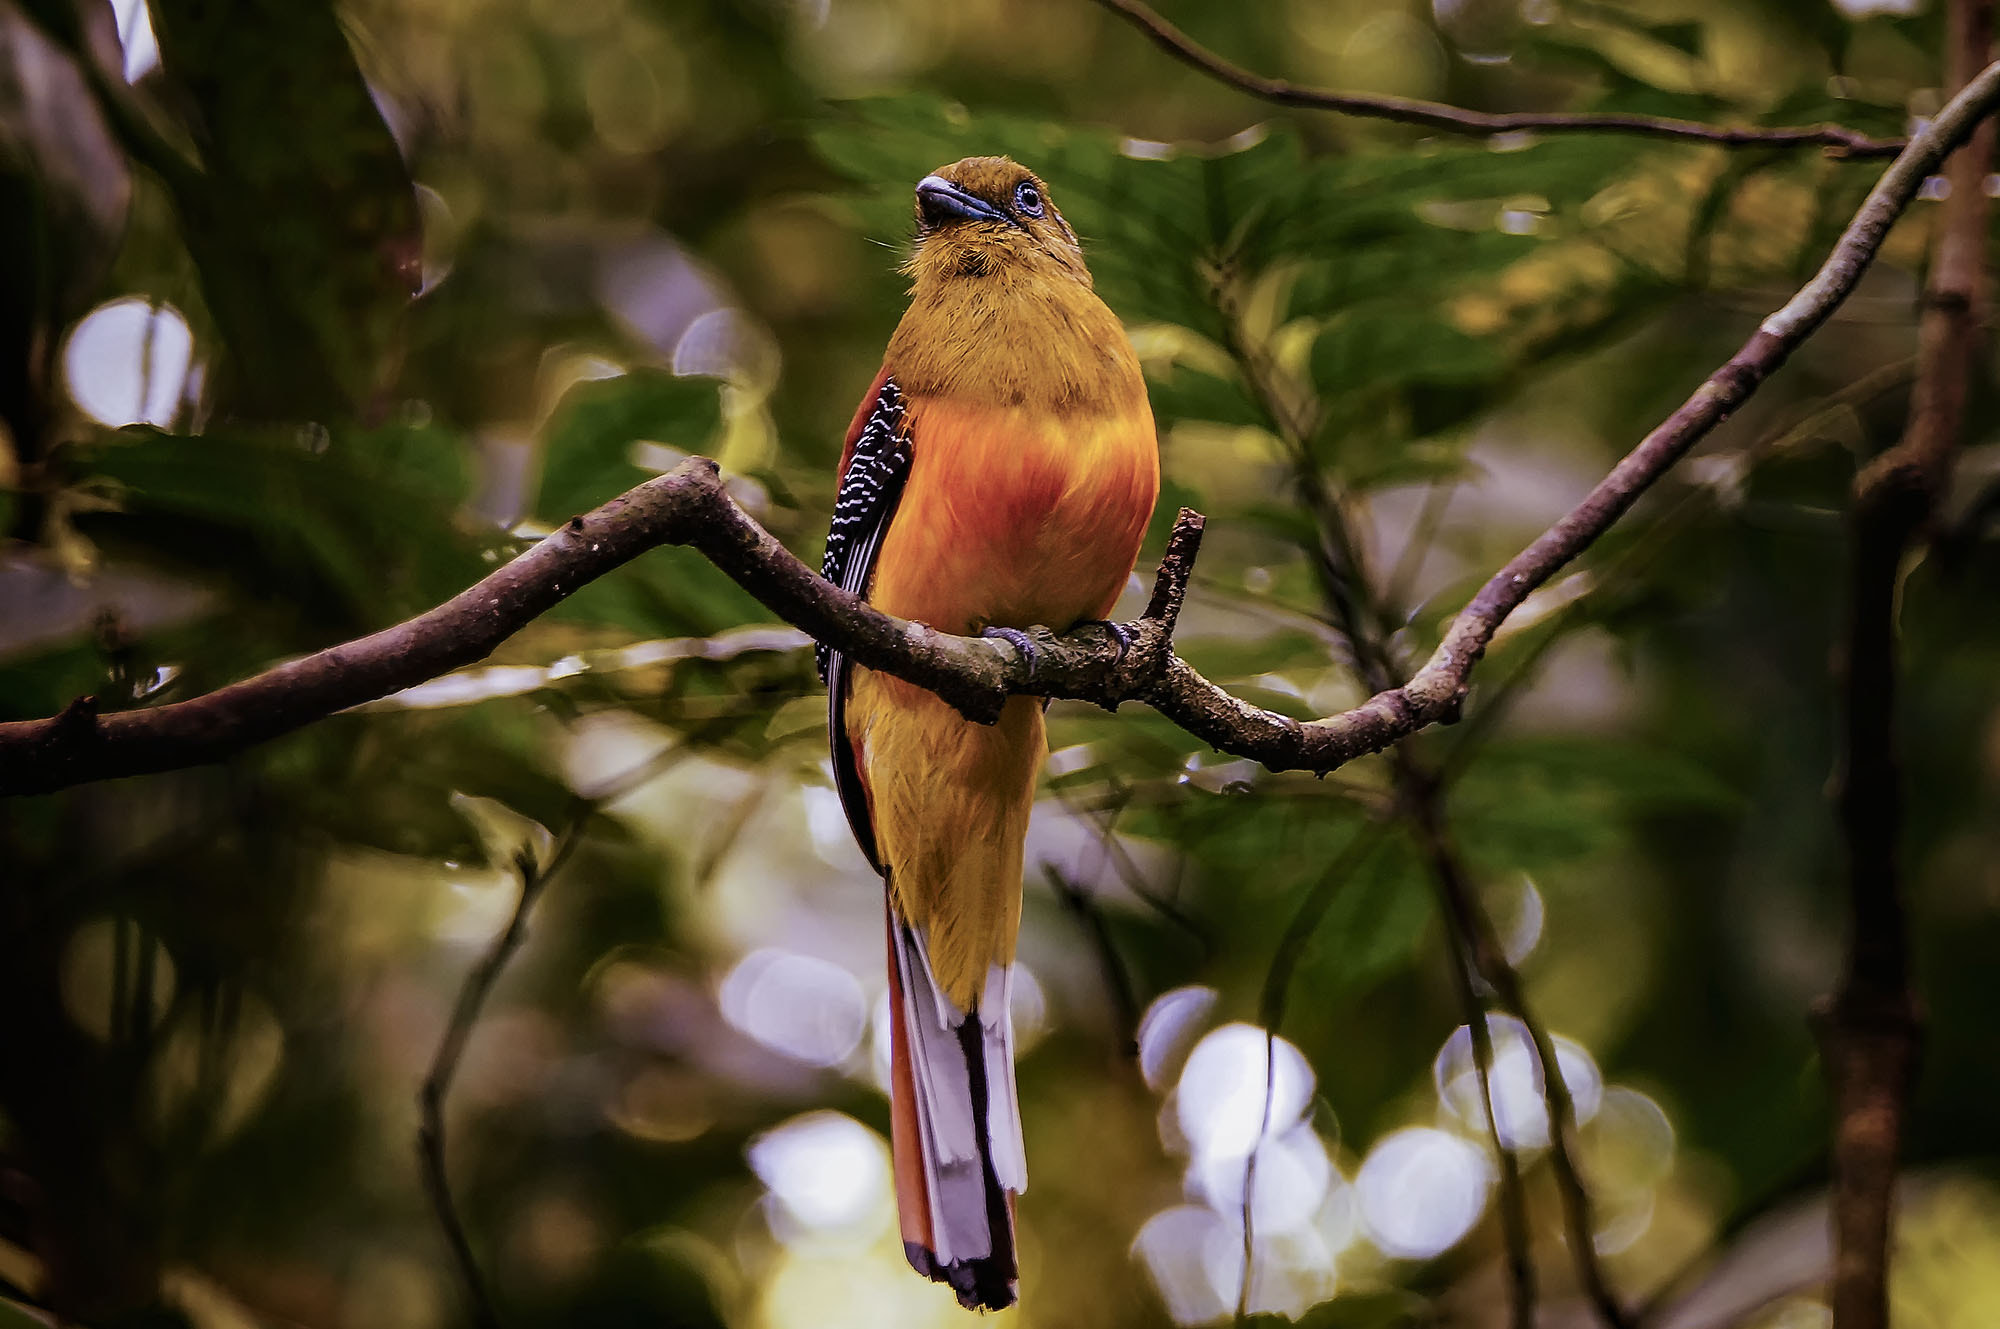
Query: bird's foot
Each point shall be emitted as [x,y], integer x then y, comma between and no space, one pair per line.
[1017,639]
[1119,633]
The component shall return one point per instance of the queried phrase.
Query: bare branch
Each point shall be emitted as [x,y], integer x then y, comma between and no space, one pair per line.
[472,994]
[1570,1186]
[1365,620]
[1130,875]
[1871,1030]
[1361,616]
[1448,876]
[1081,901]
[1476,940]
[534,875]
[690,506]
[1837,139]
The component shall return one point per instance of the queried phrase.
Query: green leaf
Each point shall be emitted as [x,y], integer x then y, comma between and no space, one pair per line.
[1182,393]
[425,459]
[668,593]
[303,512]
[586,459]
[1372,924]
[1392,347]
[1684,37]
[302,220]
[1367,1310]
[1534,802]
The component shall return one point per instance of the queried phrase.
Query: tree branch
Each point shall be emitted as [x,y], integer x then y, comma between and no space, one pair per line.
[534,875]
[1364,620]
[1448,877]
[689,506]
[472,994]
[1871,1028]
[1473,931]
[1837,139]
[1081,901]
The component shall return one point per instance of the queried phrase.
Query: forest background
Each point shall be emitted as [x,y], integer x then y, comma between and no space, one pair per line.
[548,990]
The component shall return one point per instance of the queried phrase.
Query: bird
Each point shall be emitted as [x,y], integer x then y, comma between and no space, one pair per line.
[999,473]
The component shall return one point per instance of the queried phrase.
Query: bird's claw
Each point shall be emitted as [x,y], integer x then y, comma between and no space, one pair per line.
[1016,638]
[1119,633]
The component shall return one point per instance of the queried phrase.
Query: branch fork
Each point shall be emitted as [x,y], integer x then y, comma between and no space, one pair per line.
[1109,663]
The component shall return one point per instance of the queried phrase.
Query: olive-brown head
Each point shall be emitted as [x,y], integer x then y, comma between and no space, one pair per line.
[987,215]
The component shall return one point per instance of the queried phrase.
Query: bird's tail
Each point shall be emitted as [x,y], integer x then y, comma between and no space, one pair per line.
[956,1126]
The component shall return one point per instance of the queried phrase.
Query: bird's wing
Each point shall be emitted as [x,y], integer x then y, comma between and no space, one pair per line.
[872,470]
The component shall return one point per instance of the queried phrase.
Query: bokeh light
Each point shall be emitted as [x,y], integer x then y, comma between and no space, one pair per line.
[135,35]
[1195,1258]
[1519,1103]
[1241,1086]
[807,1008]
[655,290]
[828,1173]
[1421,1190]
[1520,921]
[1027,1008]
[610,190]
[1628,1154]
[127,362]
[1186,1249]
[1168,1030]
[101,988]
[1286,1185]
[1238,1109]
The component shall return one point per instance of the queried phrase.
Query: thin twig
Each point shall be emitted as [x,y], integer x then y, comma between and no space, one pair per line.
[1079,900]
[690,506]
[534,878]
[1401,583]
[1470,920]
[1362,619]
[1448,875]
[1249,1213]
[1276,996]
[1837,139]
[1420,799]
[1305,920]
[1293,413]
[1871,1029]
[1129,872]
[1661,532]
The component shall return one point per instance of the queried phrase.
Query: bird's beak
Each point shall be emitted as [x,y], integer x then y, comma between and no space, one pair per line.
[941,202]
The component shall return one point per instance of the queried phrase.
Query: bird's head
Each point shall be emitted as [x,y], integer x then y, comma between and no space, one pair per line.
[988,216]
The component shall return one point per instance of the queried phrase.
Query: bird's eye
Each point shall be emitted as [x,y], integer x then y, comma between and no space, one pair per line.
[1028,201]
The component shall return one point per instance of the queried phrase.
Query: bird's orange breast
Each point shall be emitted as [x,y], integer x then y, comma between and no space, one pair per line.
[1010,516]
[1016,516]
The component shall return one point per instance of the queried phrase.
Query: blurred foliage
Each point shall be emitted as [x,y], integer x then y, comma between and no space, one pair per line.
[636,229]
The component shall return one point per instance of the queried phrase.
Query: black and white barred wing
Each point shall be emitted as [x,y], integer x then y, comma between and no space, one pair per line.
[870,488]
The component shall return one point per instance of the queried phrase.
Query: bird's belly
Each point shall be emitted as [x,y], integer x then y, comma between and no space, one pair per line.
[1017,517]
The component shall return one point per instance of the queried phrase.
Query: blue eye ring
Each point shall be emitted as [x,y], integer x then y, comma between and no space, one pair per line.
[1027,199]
